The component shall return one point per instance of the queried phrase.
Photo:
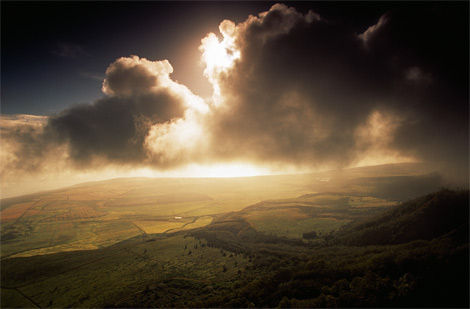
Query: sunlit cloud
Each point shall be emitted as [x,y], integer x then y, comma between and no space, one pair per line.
[218,56]
[372,30]
[292,92]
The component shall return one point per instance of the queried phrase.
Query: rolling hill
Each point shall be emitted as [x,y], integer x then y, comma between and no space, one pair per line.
[336,239]
[424,218]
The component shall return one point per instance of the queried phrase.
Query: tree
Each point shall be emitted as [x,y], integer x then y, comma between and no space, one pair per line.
[309,235]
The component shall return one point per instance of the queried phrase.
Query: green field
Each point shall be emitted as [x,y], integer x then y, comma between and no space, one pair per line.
[98,214]
[162,242]
[137,265]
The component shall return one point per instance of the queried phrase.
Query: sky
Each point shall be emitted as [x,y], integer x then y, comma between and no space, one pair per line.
[95,90]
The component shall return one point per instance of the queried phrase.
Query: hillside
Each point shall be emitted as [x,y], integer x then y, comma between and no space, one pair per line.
[98,214]
[424,218]
[234,262]
[332,239]
[413,255]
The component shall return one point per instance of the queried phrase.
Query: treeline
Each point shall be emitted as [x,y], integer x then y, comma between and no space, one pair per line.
[424,218]
[239,237]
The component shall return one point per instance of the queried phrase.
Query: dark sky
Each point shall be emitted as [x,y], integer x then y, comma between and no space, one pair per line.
[55,54]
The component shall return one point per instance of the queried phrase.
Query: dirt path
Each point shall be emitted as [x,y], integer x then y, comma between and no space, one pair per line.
[142,232]
[181,227]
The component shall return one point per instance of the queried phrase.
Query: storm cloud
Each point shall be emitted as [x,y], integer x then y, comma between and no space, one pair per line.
[310,91]
[115,130]
[140,94]
[290,88]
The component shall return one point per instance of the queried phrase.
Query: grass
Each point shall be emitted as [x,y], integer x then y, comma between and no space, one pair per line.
[285,228]
[292,221]
[103,213]
[92,279]
[322,213]
[12,296]
[135,245]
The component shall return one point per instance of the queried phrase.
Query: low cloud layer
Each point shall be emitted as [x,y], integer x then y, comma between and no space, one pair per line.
[289,89]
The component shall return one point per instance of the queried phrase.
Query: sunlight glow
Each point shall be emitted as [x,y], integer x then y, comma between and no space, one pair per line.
[217,170]
[219,56]
[226,170]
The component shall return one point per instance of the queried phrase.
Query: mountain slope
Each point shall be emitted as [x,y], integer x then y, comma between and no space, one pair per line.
[415,255]
[424,218]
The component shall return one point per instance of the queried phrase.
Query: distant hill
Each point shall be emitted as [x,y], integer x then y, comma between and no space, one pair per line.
[423,218]
[397,181]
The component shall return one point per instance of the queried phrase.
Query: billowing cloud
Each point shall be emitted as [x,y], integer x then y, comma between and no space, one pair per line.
[118,129]
[304,90]
[140,94]
[299,92]
[290,89]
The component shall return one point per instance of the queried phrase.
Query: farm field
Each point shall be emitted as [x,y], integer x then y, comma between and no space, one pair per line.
[99,214]
[158,262]
[227,263]
[155,243]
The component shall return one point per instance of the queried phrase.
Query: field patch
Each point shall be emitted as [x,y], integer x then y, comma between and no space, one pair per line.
[108,233]
[199,222]
[76,213]
[105,212]
[321,213]
[16,211]
[368,201]
[161,226]
[69,246]
[284,214]
[291,222]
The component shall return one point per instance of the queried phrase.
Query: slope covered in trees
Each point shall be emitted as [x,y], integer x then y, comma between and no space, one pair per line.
[424,218]
[415,255]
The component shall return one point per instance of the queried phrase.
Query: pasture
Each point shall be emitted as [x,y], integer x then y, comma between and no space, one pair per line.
[166,242]
[139,264]
[99,214]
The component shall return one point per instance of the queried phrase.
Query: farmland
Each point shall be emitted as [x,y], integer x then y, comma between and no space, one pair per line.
[193,242]
[99,214]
